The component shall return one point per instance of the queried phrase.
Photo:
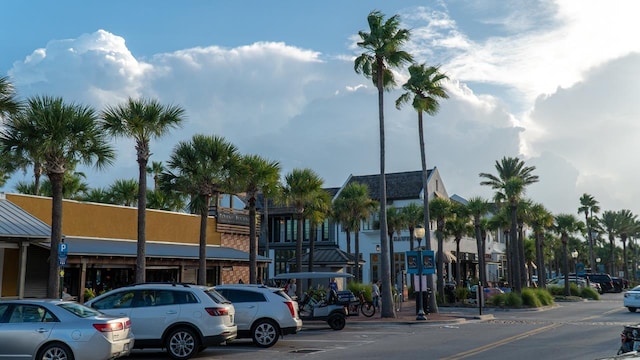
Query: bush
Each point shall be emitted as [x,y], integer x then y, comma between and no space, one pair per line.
[544,296]
[499,300]
[89,294]
[530,298]
[513,300]
[462,293]
[589,293]
[356,287]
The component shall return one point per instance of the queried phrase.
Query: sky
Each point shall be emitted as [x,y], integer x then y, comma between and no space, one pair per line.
[553,82]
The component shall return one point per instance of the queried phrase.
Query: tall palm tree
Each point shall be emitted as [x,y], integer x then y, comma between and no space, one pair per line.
[424,89]
[300,189]
[9,103]
[501,221]
[628,223]
[510,183]
[124,191]
[201,168]
[589,206]
[440,208]
[610,222]
[566,225]
[98,195]
[459,225]
[355,206]
[67,134]
[318,210]
[383,53]
[414,216]
[155,169]
[142,120]
[478,209]
[254,174]
[541,220]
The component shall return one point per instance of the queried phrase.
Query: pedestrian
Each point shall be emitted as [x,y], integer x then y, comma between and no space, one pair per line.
[333,285]
[375,294]
[291,288]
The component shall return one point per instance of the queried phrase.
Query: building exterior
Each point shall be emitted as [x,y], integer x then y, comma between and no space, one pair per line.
[102,247]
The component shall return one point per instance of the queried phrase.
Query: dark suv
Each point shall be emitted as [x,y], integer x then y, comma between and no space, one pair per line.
[605,281]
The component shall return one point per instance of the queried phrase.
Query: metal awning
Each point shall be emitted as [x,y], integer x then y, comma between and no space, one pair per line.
[81,246]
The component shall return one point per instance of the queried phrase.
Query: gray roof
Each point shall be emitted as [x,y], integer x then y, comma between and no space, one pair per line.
[17,223]
[127,248]
[400,186]
[328,256]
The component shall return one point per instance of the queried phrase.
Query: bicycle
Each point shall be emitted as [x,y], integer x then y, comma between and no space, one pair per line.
[362,306]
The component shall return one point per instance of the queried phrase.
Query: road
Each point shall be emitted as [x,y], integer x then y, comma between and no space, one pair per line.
[570,330]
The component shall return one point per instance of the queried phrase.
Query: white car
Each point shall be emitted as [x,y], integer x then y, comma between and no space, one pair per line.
[632,299]
[182,318]
[57,329]
[580,282]
[262,313]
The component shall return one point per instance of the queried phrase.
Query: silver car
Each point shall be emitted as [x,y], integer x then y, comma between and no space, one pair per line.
[65,330]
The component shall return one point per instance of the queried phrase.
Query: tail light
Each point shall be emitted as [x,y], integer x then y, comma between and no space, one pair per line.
[217,311]
[112,326]
[127,324]
[292,309]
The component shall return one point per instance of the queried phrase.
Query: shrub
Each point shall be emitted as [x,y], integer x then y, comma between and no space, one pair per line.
[498,300]
[513,300]
[462,293]
[589,293]
[529,298]
[89,294]
[544,296]
[356,287]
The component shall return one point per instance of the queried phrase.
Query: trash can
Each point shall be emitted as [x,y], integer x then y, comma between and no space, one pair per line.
[425,301]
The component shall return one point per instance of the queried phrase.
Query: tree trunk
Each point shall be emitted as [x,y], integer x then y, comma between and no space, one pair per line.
[253,241]
[565,266]
[53,285]
[299,240]
[515,248]
[542,273]
[312,245]
[392,259]
[202,263]
[356,267]
[141,265]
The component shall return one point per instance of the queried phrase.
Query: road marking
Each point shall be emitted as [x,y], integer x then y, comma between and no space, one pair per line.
[490,346]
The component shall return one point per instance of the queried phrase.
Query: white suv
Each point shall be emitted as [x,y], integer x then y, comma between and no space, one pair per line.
[262,313]
[182,318]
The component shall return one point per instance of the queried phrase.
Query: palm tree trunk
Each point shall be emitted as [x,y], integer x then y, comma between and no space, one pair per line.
[542,273]
[458,267]
[264,229]
[433,304]
[312,244]
[392,259]
[612,263]
[299,253]
[142,208]
[625,267]
[480,248]
[253,241]
[202,264]
[515,248]
[565,266]
[53,284]
[356,268]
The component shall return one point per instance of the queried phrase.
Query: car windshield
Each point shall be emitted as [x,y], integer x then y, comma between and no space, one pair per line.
[637,288]
[79,309]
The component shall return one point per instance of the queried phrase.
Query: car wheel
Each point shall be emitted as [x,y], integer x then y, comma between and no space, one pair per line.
[631,309]
[182,344]
[337,321]
[265,333]
[57,351]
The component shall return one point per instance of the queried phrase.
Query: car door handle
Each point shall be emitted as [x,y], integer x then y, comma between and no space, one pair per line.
[172,312]
[42,330]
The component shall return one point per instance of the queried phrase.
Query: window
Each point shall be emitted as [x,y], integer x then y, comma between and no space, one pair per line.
[27,314]
[123,299]
[240,296]
[3,311]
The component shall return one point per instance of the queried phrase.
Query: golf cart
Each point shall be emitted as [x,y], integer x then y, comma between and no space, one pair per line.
[329,306]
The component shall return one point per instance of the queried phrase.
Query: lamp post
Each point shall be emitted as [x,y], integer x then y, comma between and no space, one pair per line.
[418,233]
[574,255]
[598,264]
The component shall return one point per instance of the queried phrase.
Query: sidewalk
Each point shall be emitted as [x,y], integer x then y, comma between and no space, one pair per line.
[407,315]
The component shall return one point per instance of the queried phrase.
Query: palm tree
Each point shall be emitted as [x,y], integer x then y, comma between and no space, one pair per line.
[9,103]
[300,189]
[566,225]
[354,206]
[478,208]
[98,195]
[458,225]
[67,134]
[124,191]
[628,225]
[541,220]
[440,209]
[589,206]
[610,222]
[141,120]
[395,224]
[155,169]
[510,183]
[254,174]
[414,216]
[201,168]
[383,52]
[317,211]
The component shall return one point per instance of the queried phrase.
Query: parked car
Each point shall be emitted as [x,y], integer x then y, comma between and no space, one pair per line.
[632,299]
[605,281]
[262,313]
[580,282]
[619,283]
[182,318]
[57,329]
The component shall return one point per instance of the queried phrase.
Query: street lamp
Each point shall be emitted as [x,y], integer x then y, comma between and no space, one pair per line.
[574,255]
[598,264]
[418,233]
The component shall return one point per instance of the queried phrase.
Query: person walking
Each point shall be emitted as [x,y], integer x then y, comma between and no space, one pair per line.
[375,294]
[291,288]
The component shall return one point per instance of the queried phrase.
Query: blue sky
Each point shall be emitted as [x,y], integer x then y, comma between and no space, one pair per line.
[554,82]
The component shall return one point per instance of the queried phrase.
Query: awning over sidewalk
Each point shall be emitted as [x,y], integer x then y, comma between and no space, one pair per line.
[80,246]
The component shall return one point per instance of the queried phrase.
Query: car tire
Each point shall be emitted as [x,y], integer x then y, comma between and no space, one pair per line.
[631,309]
[55,351]
[337,321]
[182,343]
[265,333]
